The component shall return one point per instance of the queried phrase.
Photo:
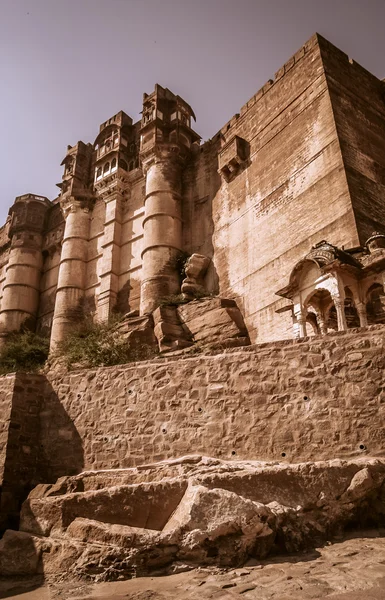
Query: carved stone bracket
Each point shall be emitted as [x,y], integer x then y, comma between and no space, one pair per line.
[233,157]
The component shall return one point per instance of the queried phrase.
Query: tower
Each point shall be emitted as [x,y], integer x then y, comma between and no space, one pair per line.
[75,200]
[115,155]
[166,139]
[21,289]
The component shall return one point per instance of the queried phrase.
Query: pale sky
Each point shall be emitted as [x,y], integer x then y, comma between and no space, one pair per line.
[68,65]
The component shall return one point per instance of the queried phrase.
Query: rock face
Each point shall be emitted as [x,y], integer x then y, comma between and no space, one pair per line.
[105,525]
[195,269]
[213,321]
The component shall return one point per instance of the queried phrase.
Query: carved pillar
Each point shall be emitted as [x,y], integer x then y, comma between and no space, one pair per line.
[21,289]
[361,310]
[299,321]
[339,303]
[72,269]
[162,228]
[109,275]
[321,321]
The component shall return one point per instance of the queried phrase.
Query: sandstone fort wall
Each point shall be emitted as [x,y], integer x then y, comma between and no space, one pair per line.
[292,194]
[357,99]
[294,400]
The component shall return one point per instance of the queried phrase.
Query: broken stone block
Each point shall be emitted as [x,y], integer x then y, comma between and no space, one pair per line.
[169,331]
[213,320]
[139,333]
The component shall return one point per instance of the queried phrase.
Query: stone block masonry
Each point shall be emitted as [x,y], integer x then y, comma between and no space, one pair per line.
[314,399]
[20,403]
[295,400]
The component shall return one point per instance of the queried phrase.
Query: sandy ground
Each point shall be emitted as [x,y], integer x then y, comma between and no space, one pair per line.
[353,569]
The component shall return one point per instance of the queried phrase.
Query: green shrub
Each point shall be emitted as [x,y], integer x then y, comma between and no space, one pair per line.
[23,351]
[100,344]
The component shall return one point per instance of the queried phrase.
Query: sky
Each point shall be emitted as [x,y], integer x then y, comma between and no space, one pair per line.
[68,65]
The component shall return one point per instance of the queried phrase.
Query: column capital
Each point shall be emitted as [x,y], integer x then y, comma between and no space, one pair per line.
[163,152]
[72,204]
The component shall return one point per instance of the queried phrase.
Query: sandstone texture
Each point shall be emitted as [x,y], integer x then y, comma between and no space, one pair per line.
[111,525]
[214,320]
[291,401]
[350,569]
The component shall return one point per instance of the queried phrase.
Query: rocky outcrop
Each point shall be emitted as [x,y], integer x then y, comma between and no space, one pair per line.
[169,330]
[138,331]
[209,322]
[214,321]
[195,269]
[195,510]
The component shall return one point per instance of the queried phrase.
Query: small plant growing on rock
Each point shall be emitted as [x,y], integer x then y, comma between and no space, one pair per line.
[23,351]
[100,344]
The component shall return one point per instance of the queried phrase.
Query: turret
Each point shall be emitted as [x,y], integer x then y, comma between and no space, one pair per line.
[22,280]
[165,144]
[76,200]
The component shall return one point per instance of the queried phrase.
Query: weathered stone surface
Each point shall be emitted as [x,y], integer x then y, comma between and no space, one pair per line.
[304,399]
[211,320]
[169,331]
[195,269]
[147,506]
[212,512]
[139,332]
[20,553]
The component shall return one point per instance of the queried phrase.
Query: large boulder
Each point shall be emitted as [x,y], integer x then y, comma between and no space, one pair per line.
[214,321]
[196,510]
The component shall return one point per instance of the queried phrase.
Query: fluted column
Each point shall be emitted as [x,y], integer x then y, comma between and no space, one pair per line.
[162,229]
[72,270]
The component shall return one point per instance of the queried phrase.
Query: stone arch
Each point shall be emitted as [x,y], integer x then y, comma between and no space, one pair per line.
[320,303]
[312,327]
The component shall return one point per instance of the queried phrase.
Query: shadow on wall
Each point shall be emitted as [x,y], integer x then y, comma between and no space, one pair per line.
[60,445]
[43,444]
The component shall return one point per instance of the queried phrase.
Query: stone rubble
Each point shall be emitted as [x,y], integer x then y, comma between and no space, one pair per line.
[178,514]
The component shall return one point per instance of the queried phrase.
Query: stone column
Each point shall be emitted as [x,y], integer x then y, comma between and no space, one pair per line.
[72,270]
[21,289]
[162,229]
[361,310]
[339,303]
[109,275]
[321,321]
[300,321]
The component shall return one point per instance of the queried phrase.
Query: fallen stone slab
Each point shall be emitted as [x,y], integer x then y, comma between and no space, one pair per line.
[191,511]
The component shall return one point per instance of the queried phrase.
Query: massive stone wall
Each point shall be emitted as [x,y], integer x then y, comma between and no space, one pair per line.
[310,399]
[291,194]
[358,102]
[295,400]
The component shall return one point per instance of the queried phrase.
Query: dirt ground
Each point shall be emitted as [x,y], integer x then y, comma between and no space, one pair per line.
[352,569]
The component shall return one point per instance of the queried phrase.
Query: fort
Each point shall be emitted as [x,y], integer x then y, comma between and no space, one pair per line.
[272,236]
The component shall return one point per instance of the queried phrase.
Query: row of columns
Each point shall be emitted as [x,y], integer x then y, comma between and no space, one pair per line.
[300,314]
